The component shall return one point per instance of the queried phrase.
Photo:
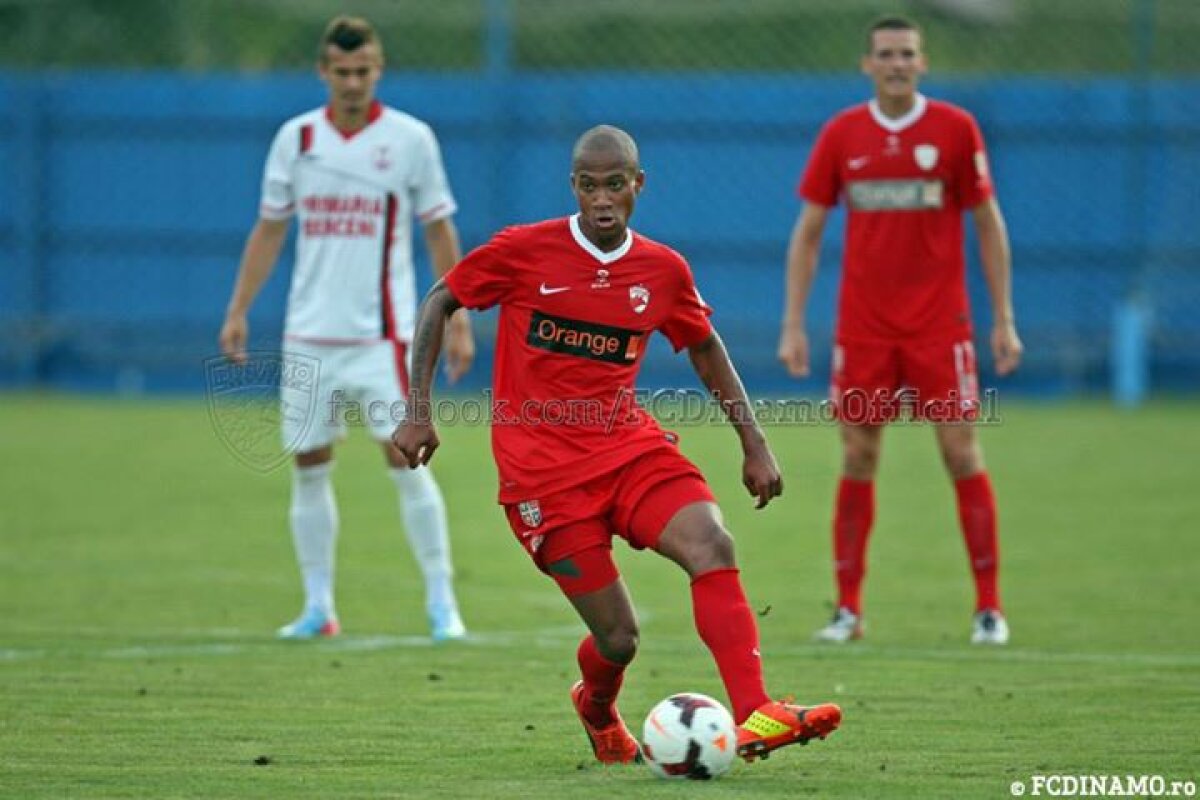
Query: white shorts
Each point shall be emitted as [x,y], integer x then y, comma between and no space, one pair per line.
[358,384]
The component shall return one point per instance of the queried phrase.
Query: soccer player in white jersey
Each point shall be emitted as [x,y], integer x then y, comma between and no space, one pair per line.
[354,174]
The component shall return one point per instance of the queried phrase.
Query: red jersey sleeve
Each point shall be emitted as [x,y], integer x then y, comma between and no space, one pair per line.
[485,277]
[822,183]
[688,322]
[974,175]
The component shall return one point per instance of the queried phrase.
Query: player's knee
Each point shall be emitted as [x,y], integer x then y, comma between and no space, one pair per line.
[618,644]
[416,485]
[314,458]
[712,549]
[860,460]
[963,461]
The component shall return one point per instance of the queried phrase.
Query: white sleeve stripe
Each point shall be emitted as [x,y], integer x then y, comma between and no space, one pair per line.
[275,212]
[440,211]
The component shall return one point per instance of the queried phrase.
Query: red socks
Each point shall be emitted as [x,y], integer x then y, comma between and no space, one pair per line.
[601,682]
[727,627]
[853,514]
[977,515]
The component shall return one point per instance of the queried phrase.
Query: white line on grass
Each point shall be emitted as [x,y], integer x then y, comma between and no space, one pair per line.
[556,637]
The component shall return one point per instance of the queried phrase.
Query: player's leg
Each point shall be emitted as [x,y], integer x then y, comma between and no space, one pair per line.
[696,539]
[565,536]
[605,653]
[944,375]
[865,377]
[853,518]
[313,514]
[976,501]
[314,520]
[423,511]
[665,504]
[384,382]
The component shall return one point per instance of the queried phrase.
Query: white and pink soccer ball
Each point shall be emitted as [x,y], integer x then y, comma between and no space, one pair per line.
[689,736]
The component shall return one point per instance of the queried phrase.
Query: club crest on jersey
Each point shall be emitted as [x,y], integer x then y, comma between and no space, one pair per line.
[379,157]
[531,513]
[926,156]
[601,281]
[639,298]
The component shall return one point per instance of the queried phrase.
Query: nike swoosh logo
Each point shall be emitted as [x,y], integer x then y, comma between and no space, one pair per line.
[544,289]
[858,163]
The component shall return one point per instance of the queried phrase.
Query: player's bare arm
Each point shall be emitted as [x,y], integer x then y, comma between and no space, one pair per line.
[415,437]
[996,258]
[441,238]
[803,255]
[258,260]
[760,472]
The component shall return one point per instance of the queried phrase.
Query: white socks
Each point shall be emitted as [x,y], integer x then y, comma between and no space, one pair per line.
[424,514]
[314,519]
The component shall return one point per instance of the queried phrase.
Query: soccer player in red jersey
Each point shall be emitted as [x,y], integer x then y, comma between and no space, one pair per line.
[579,461]
[907,167]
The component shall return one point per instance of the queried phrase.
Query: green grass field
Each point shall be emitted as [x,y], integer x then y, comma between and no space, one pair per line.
[143,570]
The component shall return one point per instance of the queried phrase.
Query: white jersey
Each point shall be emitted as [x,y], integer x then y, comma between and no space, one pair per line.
[355,197]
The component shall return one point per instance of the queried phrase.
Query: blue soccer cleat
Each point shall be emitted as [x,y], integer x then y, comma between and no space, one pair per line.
[446,625]
[309,625]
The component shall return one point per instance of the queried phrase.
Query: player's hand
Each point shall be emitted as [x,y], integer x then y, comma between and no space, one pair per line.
[416,439]
[1006,347]
[234,333]
[793,351]
[460,346]
[760,474]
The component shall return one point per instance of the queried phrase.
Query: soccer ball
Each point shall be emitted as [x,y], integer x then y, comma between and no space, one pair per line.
[689,736]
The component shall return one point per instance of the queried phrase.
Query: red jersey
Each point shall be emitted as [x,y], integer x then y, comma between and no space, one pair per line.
[574,323]
[906,183]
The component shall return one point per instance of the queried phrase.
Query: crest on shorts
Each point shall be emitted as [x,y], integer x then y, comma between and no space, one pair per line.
[639,298]
[531,512]
[248,403]
[926,156]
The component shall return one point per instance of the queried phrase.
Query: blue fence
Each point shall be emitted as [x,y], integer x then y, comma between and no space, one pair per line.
[129,197]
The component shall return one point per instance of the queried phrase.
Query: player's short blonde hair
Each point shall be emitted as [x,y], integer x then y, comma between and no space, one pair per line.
[347,33]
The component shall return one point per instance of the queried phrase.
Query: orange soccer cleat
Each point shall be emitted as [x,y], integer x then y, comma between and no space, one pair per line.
[776,724]
[612,744]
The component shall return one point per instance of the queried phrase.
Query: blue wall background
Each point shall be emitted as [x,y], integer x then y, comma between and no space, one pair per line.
[129,197]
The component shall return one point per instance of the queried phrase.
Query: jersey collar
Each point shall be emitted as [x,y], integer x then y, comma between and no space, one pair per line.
[899,123]
[596,252]
[373,113]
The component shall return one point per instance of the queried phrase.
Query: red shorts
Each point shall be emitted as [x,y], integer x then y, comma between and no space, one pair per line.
[634,501]
[874,382]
